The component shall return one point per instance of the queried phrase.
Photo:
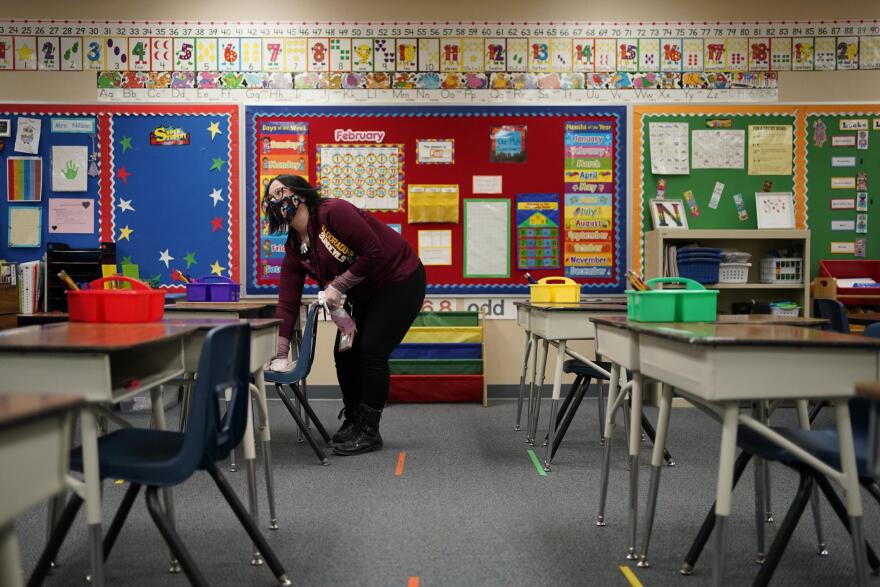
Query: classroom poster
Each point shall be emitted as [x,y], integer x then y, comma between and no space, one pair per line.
[368,176]
[71,216]
[770,149]
[486,238]
[537,231]
[669,148]
[718,149]
[24,179]
[69,169]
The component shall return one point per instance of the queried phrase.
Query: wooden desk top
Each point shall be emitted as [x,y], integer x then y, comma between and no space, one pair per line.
[208,323]
[865,318]
[88,337]
[575,307]
[17,409]
[756,319]
[222,306]
[719,334]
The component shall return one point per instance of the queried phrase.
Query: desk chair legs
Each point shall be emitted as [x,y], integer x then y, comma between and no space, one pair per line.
[608,432]
[172,539]
[535,412]
[56,539]
[527,349]
[301,424]
[157,401]
[533,343]
[656,467]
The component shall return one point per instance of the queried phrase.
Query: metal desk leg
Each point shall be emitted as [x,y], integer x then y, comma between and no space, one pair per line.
[554,402]
[265,439]
[635,441]
[656,467]
[608,432]
[533,342]
[760,499]
[250,458]
[10,557]
[157,402]
[527,349]
[765,466]
[850,482]
[542,371]
[803,412]
[92,475]
[726,460]
[233,467]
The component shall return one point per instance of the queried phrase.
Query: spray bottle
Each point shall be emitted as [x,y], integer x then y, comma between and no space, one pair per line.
[343,322]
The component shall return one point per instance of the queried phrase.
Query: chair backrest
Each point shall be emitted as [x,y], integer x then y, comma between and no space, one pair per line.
[834,312]
[223,365]
[306,355]
[873,330]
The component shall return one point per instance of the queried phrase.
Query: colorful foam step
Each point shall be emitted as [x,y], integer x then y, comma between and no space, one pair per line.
[447,319]
[436,366]
[438,351]
[445,334]
[436,388]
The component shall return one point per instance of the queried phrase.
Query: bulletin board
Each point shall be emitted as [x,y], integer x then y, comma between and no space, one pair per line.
[849,159]
[162,181]
[564,165]
[701,182]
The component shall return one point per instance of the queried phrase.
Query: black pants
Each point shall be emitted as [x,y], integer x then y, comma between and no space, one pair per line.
[382,322]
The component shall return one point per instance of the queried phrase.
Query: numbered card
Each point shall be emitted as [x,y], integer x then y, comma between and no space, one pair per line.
[450,54]
[383,54]
[429,54]
[116,52]
[71,53]
[206,54]
[7,61]
[847,52]
[362,54]
[229,54]
[826,53]
[627,54]
[93,53]
[539,54]
[759,54]
[340,54]
[495,55]
[319,54]
[869,53]
[50,53]
[692,55]
[139,54]
[517,54]
[584,55]
[670,54]
[649,54]
[161,53]
[803,53]
[560,54]
[738,54]
[714,54]
[25,52]
[251,54]
[184,54]
[407,55]
[273,54]
[780,54]
[296,53]
[606,55]
[472,55]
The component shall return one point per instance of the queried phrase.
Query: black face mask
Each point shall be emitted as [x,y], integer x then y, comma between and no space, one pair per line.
[281,210]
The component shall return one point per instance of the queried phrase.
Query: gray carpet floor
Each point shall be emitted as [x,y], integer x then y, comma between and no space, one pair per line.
[469,509]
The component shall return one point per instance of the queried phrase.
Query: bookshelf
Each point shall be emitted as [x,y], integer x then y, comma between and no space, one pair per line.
[756,242]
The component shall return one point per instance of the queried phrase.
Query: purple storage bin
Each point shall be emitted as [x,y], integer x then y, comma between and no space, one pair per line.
[212,289]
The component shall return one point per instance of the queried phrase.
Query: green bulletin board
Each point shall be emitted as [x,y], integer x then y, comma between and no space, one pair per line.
[819,174]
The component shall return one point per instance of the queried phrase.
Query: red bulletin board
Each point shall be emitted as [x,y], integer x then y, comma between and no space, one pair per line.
[469,127]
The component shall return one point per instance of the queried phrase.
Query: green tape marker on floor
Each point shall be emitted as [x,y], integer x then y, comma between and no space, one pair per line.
[537,462]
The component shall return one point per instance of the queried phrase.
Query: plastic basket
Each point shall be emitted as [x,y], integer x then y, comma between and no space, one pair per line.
[788,313]
[139,304]
[212,288]
[700,269]
[695,303]
[779,270]
[555,290]
[733,272]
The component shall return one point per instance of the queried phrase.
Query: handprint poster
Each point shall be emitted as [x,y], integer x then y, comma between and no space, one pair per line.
[69,169]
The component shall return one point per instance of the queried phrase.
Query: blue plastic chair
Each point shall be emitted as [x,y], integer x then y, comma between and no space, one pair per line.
[161,458]
[834,312]
[292,379]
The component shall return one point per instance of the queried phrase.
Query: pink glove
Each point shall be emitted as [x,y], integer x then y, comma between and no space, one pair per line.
[333,297]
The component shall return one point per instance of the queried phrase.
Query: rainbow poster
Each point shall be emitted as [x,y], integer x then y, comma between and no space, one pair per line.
[24,179]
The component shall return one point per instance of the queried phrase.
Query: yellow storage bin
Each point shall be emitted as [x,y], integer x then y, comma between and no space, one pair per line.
[555,290]
[444,334]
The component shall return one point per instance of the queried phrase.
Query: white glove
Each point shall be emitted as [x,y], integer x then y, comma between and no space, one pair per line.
[281,365]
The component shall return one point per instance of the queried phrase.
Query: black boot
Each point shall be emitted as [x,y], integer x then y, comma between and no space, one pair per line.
[367,437]
[348,430]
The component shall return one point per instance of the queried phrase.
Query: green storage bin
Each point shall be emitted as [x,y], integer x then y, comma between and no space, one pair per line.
[695,303]
[447,319]
[436,366]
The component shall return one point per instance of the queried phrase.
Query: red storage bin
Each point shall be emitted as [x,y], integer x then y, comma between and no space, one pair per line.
[436,388]
[139,304]
[848,269]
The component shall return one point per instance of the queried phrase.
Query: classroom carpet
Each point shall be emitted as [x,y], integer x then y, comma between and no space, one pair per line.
[468,508]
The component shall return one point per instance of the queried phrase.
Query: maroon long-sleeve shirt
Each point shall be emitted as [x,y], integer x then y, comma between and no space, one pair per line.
[342,238]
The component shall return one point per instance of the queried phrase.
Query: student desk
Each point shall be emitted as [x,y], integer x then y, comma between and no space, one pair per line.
[556,324]
[34,446]
[244,309]
[864,318]
[104,363]
[718,366]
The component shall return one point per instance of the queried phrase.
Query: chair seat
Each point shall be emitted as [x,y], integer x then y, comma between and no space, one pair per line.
[282,377]
[822,444]
[138,455]
[580,368]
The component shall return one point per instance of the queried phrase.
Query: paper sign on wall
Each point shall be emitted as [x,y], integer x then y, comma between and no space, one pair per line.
[770,149]
[843,141]
[71,216]
[669,148]
[69,166]
[843,183]
[840,248]
[843,162]
[432,203]
[718,149]
[435,247]
[25,226]
[486,238]
[486,184]
[843,225]
[27,136]
[843,203]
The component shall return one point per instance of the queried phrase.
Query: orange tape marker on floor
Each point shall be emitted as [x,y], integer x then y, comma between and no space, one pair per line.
[397,473]
[413,581]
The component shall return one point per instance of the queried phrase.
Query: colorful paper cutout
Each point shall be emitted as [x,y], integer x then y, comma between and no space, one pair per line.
[24,179]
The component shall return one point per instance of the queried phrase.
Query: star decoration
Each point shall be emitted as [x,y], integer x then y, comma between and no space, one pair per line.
[216,224]
[125,143]
[216,196]
[127,260]
[217,268]
[214,129]
[123,174]
[125,205]
[218,164]
[124,233]
[165,257]
[190,259]
[25,53]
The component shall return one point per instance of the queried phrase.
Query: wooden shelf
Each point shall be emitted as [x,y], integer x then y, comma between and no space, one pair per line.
[708,234]
[756,286]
